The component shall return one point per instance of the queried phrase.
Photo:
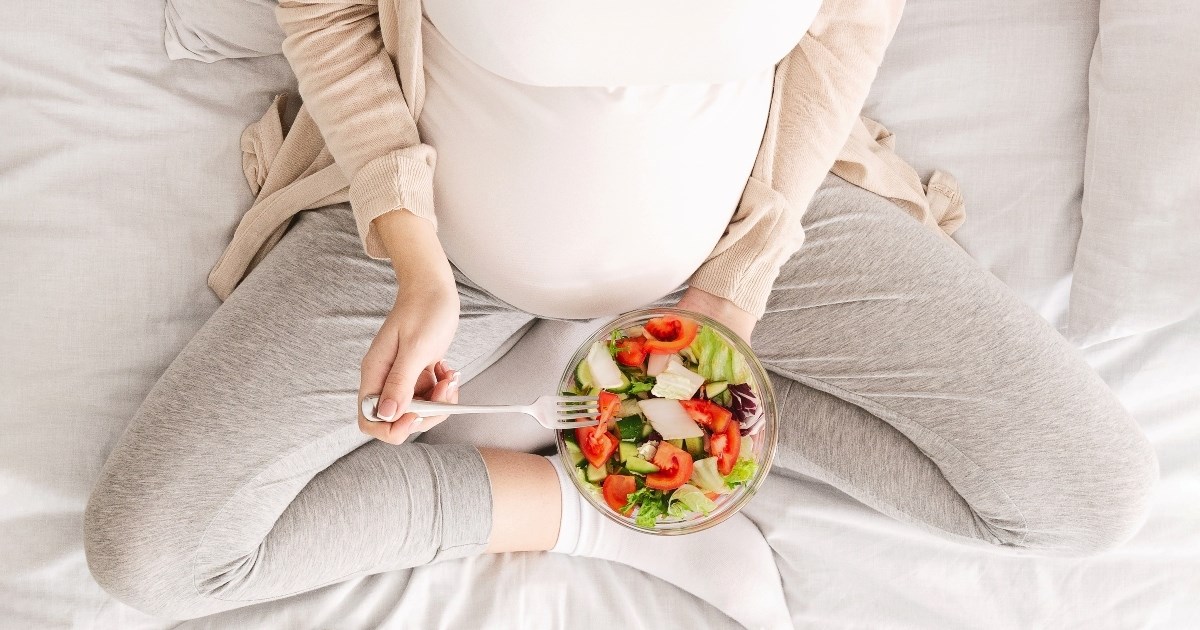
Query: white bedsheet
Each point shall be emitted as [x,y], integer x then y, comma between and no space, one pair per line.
[119,183]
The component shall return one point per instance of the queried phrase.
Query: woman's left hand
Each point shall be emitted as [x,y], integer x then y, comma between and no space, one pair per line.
[720,309]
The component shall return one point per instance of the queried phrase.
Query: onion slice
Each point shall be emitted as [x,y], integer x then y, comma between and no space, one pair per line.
[670,419]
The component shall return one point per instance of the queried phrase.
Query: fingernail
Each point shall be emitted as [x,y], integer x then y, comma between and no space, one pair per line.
[387,410]
[454,380]
[442,364]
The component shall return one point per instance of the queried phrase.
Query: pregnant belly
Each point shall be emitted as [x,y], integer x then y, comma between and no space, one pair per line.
[572,247]
[583,202]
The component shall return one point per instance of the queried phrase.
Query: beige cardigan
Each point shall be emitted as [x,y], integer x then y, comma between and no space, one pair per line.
[359,68]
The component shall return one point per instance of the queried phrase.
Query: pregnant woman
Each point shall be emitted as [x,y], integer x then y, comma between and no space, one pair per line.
[591,158]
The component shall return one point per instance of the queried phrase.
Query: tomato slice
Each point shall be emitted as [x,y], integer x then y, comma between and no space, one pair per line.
[596,443]
[631,351]
[670,333]
[725,447]
[616,492]
[674,467]
[707,413]
[610,403]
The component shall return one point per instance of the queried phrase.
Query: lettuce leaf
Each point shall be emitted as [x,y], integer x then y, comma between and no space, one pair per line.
[688,498]
[742,472]
[706,477]
[612,341]
[716,359]
[650,505]
[677,382]
[637,387]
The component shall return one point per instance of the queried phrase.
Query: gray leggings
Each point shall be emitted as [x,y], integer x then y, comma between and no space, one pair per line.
[907,376]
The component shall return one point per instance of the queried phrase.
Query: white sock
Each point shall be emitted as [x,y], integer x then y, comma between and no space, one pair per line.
[729,565]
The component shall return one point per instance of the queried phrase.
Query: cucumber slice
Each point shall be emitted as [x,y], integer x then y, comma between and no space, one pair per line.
[574,452]
[629,429]
[640,466]
[712,390]
[627,450]
[581,475]
[694,446]
[583,377]
[596,475]
[647,429]
[677,443]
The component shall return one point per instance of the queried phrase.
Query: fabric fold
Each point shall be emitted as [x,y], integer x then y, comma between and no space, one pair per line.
[289,174]
[869,161]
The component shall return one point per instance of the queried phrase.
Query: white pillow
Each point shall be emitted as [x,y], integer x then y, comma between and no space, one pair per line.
[1138,263]
[995,93]
[211,30]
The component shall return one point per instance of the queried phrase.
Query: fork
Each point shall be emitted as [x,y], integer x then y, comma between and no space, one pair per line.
[552,412]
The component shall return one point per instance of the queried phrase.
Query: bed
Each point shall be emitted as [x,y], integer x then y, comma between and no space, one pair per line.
[120,182]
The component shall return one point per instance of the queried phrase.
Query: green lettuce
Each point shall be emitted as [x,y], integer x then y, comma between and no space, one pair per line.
[650,505]
[706,477]
[688,498]
[639,386]
[742,472]
[638,381]
[716,360]
[616,336]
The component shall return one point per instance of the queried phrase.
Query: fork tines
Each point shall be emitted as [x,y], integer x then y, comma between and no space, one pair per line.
[582,409]
[576,407]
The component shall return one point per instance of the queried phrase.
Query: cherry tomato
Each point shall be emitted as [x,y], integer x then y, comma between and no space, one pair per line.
[674,467]
[670,333]
[616,490]
[631,351]
[610,404]
[725,447]
[597,444]
[707,413]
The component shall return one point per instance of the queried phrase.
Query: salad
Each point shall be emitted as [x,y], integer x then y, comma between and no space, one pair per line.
[677,421]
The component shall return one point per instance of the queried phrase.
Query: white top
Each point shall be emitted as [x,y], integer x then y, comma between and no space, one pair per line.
[623,42]
[566,198]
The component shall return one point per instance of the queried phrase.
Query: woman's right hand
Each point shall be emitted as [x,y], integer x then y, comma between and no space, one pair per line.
[406,357]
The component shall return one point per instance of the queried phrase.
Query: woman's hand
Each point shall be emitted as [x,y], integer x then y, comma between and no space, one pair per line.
[720,309]
[406,358]
[405,361]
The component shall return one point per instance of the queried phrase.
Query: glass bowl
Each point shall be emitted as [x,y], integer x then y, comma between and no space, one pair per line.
[763,426]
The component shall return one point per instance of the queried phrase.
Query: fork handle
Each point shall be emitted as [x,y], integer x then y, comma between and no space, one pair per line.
[424,408]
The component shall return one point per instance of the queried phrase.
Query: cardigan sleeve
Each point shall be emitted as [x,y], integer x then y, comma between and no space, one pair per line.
[351,90]
[820,88]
